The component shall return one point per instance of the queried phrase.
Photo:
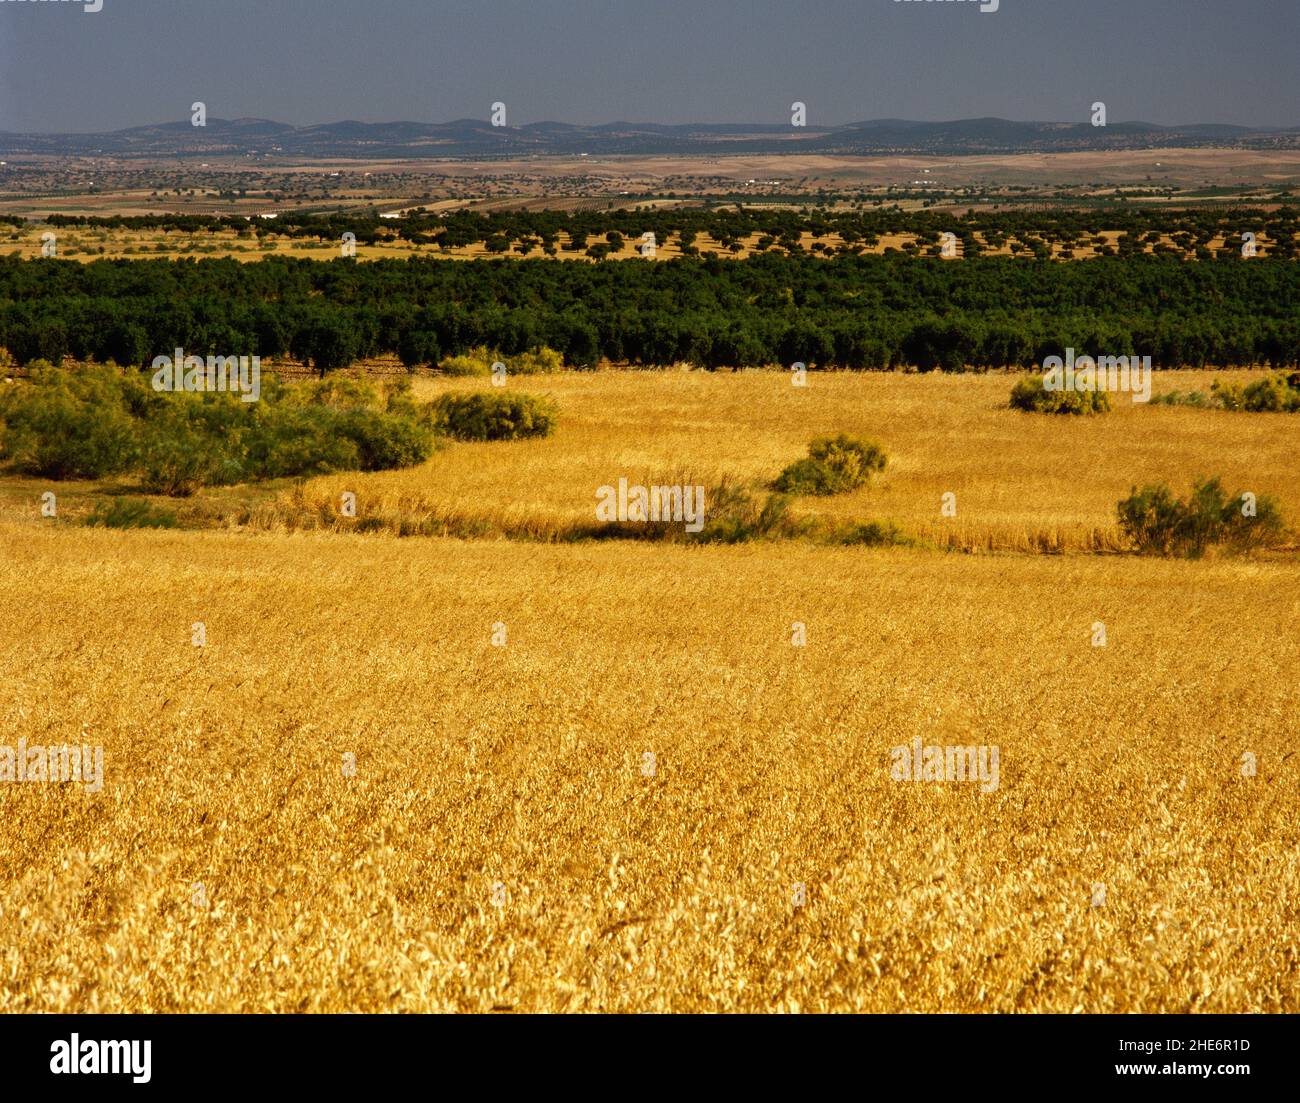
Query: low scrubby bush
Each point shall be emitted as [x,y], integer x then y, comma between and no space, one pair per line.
[493,416]
[535,362]
[478,361]
[733,515]
[834,465]
[1278,394]
[870,534]
[1031,394]
[1198,399]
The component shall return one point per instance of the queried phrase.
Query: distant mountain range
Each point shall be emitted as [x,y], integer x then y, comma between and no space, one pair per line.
[473,138]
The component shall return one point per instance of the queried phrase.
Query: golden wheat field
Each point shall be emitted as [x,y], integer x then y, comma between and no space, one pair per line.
[409,774]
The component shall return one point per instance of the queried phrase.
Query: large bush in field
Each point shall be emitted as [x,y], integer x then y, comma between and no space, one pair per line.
[1158,523]
[177,457]
[383,441]
[491,416]
[297,440]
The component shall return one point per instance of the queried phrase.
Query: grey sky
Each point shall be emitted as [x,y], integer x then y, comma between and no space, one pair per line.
[590,61]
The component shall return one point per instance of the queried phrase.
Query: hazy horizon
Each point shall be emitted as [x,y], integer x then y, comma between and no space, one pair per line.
[776,124]
[310,62]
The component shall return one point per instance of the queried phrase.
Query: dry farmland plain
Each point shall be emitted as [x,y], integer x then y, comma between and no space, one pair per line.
[502,843]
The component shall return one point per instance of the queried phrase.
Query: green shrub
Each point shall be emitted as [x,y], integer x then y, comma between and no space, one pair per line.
[834,465]
[1031,394]
[1150,518]
[871,534]
[299,440]
[177,459]
[1261,527]
[488,416]
[96,421]
[384,441]
[805,477]
[535,361]
[1203,518]
[1158,523]
[1228,395]
[399,400]
[1275,394]
[477,361]
[131,513]
[67,424]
